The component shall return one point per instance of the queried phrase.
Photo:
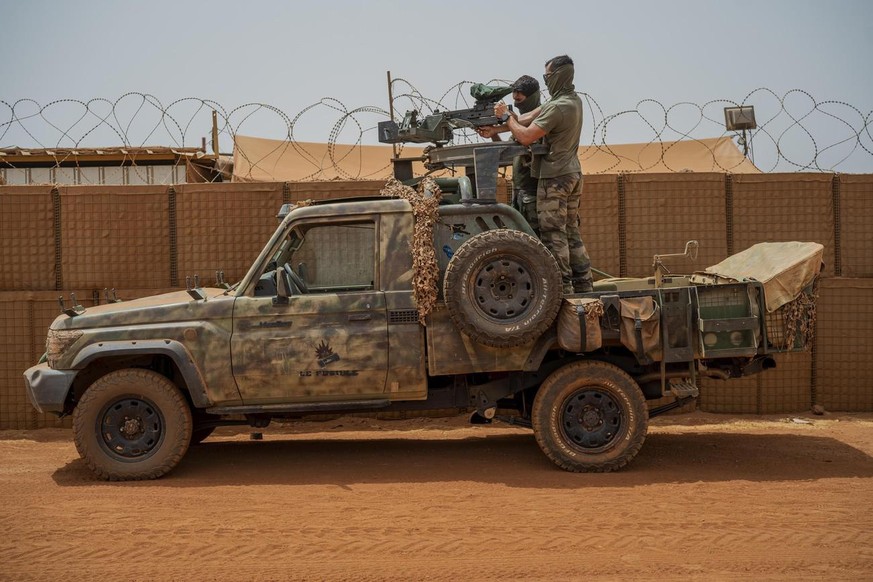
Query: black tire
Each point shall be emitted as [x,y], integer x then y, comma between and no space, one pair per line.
[503,288]
[132,424]
[590,417]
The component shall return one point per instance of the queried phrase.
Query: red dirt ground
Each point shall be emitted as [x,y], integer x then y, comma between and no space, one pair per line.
[709,497]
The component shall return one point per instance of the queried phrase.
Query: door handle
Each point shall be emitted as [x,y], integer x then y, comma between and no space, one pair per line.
[360,317]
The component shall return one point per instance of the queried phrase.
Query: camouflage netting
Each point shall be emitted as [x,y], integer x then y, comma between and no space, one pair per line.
[425,209]
[594,310]
[800,319]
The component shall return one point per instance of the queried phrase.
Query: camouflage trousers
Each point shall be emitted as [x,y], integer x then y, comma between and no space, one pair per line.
[526,203]
[558,221]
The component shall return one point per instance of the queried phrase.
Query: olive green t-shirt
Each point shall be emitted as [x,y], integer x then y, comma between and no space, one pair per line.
[561,118]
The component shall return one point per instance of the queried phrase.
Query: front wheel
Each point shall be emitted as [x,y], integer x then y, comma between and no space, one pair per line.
[590,417]
[132,424]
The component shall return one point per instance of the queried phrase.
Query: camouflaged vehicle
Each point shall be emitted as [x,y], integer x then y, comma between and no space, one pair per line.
[326,322]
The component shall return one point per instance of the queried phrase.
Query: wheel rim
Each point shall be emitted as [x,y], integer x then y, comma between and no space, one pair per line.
[503,288]
[591,420]
[130,428]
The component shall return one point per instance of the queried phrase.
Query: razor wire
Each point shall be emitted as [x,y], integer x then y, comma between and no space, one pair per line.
[795,132]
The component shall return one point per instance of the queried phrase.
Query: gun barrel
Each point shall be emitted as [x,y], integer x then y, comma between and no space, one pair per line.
[438,127]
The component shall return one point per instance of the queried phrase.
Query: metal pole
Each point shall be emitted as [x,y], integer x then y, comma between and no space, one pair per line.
[215,133]
[391,108]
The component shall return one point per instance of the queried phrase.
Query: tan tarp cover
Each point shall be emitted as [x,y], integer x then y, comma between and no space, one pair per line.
[783,268]
[268,160]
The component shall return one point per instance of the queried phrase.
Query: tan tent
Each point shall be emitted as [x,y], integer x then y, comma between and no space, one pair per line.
[719,154]
[266,160]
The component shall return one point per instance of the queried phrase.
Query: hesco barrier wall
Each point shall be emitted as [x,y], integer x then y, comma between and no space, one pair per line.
[144,240]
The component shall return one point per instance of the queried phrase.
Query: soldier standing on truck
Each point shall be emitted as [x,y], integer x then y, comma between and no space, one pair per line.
[526,96]
[559,189]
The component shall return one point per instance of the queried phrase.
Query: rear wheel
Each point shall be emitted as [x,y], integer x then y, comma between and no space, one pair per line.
[590,417]
[132,424]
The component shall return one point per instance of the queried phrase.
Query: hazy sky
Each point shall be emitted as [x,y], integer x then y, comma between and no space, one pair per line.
[292,54]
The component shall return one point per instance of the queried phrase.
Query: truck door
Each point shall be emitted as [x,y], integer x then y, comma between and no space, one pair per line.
[328,341]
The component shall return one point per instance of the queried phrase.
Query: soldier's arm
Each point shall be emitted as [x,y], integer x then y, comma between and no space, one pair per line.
[523,134]
[492,131]
[526,119]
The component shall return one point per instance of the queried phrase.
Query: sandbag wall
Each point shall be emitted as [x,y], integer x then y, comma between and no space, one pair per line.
[143,240]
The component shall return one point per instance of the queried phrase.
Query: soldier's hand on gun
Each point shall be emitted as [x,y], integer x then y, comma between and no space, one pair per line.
[500,109]
[487,131]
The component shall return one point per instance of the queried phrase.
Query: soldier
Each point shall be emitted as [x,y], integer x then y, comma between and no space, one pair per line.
[527,98]
[559,188]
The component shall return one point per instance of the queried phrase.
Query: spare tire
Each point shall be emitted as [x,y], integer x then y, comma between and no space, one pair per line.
[503,288]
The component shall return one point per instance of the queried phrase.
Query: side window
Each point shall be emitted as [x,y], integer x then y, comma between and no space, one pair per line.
[337,257]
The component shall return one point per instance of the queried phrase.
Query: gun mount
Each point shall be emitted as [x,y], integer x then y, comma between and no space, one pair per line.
[480,162]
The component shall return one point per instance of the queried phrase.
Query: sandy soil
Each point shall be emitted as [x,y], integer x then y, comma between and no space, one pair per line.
[709,497]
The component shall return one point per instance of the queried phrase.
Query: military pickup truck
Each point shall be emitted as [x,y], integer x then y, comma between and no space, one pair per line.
[326,322]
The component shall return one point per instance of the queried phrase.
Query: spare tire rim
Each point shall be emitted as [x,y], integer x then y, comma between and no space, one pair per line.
[130,428]
[503,288]
[591,420]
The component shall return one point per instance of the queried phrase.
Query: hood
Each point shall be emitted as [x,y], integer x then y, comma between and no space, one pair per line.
[532,101]
[561,81]
[168,307]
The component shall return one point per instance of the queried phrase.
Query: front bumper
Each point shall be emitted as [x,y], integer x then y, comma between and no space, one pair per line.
[47,388]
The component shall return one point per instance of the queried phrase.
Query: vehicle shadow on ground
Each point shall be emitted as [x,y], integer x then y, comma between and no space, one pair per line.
[513,460]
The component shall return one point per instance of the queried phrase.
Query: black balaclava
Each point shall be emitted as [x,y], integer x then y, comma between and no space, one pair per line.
[530,102]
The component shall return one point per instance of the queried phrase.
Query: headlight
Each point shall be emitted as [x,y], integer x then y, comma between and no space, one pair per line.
[57,343]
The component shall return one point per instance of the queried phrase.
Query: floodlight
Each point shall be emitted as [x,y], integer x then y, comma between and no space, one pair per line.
[739,118]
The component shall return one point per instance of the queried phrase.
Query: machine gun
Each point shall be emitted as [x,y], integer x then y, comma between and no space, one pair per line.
[437,127]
